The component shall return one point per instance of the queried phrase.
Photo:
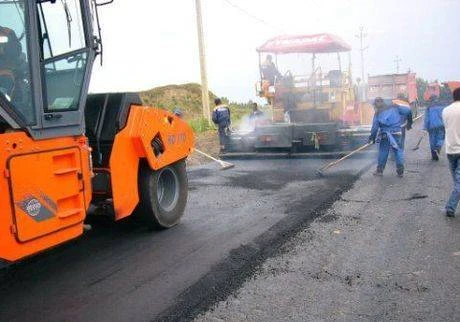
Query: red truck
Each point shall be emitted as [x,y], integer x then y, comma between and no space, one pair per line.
[392,86]
[437,89]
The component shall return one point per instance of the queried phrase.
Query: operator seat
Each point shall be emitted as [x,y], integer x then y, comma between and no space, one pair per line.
[105,115]
[10,58]
[335,78]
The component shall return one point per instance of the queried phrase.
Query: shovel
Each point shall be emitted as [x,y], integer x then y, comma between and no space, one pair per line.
[417,146]
[224,165]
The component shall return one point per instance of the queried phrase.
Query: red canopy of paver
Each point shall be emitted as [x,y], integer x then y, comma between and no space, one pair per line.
[319,43]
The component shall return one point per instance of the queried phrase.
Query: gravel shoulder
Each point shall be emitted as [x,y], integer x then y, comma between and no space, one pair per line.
[383,251]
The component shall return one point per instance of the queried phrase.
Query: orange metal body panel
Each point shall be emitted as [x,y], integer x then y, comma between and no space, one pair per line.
[46,185]
[432,89]
[134,143]
[46,190]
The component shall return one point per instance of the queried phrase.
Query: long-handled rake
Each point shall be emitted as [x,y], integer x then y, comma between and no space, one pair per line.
[320,171]
[224,165]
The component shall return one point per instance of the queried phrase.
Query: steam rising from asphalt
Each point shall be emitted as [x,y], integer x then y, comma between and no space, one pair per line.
[248,123]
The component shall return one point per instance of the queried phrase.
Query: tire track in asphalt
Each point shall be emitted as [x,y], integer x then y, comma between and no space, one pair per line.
[232,272]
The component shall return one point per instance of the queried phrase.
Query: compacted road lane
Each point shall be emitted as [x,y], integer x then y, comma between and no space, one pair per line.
[234,220]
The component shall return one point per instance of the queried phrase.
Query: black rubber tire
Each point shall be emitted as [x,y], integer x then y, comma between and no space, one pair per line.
[163,195]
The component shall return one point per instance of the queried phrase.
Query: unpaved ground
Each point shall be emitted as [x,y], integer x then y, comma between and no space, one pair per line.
[383,252]
[207,142]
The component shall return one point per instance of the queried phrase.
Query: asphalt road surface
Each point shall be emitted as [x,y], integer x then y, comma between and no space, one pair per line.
[385,251]
[234,221]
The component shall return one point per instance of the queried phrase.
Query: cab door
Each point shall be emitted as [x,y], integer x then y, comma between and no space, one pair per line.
[65,64]
[47,49]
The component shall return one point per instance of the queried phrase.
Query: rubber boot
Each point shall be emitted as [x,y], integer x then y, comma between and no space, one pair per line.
[378,172]
[400,171]
[450,213]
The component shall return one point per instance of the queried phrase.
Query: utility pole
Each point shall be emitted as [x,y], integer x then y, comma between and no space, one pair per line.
[204,76]
[361,37]
[397,61]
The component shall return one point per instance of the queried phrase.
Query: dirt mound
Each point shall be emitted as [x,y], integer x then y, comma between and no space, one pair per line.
[186,96]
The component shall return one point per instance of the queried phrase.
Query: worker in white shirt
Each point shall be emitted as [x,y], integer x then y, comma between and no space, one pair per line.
[451,119]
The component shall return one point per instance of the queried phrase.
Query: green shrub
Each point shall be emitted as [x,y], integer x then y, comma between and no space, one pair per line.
[200,125]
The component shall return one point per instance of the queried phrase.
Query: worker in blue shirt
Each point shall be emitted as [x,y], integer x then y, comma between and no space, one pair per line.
[434,126]
[387,124]
[221,117]
[403,101]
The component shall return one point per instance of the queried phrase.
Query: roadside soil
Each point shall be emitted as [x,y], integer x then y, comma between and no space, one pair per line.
[207,142]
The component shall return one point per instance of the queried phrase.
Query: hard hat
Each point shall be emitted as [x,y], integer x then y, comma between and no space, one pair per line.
[177,111]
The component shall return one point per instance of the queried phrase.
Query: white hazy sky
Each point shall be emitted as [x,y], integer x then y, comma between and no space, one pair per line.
[152,43]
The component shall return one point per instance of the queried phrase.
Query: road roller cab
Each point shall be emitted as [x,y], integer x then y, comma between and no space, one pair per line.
[64,152]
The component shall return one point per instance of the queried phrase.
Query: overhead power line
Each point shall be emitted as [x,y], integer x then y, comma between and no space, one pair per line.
[252,16]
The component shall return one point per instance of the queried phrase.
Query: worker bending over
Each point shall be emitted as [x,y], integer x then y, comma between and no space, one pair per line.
[435,126]
[388,119]
[221,117]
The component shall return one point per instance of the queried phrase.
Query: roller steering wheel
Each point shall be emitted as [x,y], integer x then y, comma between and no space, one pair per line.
[288,74]
[7,82]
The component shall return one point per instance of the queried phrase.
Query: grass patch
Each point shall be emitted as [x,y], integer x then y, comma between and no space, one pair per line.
[200,125]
